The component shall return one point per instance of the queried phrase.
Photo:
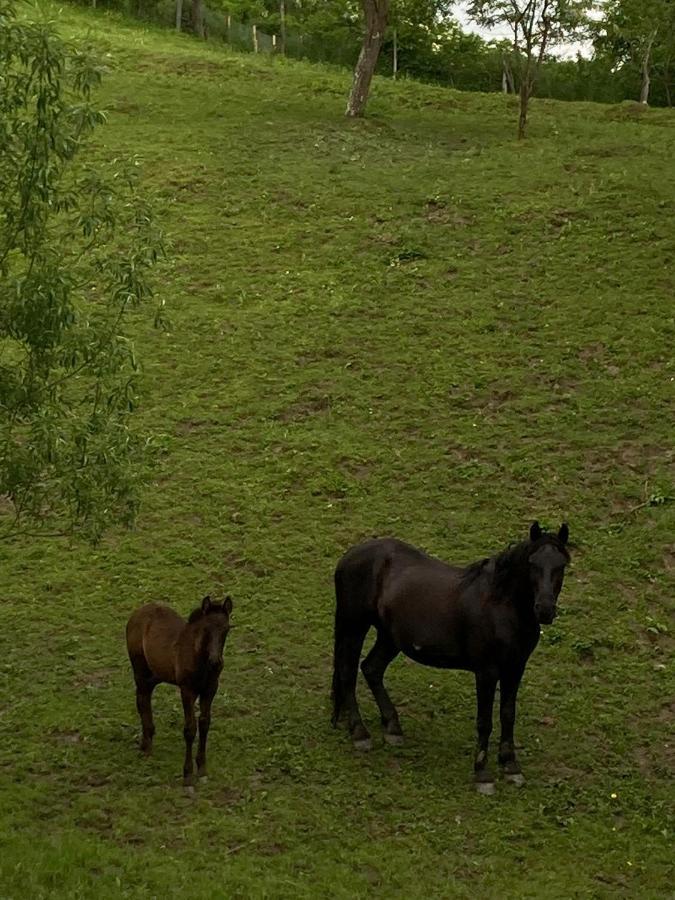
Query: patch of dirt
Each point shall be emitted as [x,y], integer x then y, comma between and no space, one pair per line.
[356,468]
[67,737]
[271,849]
[233,561]
[127,107]
[196,66]
[303,408]
[188,426]
[643,457]
[667,712]
[227,796]
[97,679]
[592,352]
[440,215]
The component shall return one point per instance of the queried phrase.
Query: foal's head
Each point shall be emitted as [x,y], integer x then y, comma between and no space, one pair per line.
[213,625]
[547,560]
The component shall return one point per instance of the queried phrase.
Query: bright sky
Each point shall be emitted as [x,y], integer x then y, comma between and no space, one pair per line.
[459,12]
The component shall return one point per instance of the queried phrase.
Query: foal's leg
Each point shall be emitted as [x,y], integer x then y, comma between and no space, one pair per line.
[373,667]
[486,682]
[145,685]
[144,706]
[205,701]
[189,732]
[509,684]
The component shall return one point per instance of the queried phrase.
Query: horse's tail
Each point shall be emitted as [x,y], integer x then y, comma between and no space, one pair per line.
[337,693]
[357,591]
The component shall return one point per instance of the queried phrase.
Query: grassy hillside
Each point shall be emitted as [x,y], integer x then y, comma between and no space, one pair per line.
[410,325]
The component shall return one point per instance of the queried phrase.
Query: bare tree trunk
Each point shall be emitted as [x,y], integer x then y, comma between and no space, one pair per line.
[282,25]
[508,84]
[179,14]
[395,53]
[646,69]
[525,94]
[376,13]
[198,18]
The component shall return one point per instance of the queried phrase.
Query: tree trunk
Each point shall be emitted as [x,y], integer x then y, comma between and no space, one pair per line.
[508,84]
[646,69]
[525,94]
[197,18]
[179,14]
[282,25]
[376,12]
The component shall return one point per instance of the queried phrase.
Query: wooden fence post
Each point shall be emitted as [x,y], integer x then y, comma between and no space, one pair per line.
[255,39]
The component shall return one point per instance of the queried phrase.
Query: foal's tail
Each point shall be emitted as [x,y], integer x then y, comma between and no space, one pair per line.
[357,591]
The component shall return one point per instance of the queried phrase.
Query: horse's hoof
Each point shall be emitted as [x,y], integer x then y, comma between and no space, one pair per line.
[203,778]
[363,744]
[515,778]
[189,790]
[395,740]
[485,787]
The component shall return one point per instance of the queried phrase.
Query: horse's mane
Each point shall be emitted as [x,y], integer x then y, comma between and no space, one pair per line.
[500,567]
[195,615]
[199,613]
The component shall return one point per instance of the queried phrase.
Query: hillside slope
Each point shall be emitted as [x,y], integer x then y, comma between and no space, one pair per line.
[410,325]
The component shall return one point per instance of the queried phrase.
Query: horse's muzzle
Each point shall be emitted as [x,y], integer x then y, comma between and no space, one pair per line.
[545,613]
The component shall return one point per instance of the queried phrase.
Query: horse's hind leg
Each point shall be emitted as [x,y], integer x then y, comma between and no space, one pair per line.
[145,685]
[373,667]
[347,655]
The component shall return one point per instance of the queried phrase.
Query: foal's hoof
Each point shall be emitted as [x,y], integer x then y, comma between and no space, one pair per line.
[514,778]
[395,740]
[203,779]
[189,790]
[485,787]
[363,744]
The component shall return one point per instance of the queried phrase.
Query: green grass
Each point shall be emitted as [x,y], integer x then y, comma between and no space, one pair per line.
[409,325]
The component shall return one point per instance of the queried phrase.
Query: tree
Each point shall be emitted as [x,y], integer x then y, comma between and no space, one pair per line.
[536,26]
[197,18]
[375,13]
[75,250]
[640,35]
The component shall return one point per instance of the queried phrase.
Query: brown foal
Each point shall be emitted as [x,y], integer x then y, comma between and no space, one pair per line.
[163,647]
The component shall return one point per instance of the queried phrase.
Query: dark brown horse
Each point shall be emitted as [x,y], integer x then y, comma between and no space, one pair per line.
[164,647]
[484,618]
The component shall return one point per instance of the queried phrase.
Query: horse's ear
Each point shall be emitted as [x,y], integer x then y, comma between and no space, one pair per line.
[227,604]
[564,534]
[535,531]
[206,604]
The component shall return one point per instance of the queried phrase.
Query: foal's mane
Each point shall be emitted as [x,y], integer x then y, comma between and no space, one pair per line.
[199,613]
[502,566]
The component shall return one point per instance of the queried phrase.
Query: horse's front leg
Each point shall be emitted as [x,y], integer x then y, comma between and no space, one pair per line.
[189,731]
[508,686]
[205,701]
[486,683]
